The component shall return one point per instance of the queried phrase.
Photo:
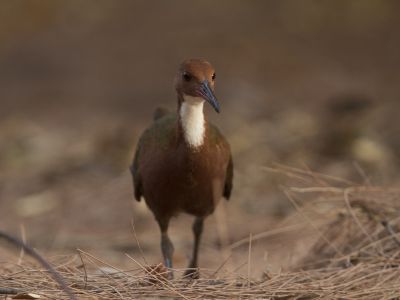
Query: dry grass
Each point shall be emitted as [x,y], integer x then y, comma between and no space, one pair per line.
[356,256]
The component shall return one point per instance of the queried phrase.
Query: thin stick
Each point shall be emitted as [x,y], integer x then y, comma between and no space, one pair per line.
[300,210]
[30,251]
[9,291]
[313,175]
[362,173]
[265,234]
[389,229]
[84,269]
[350,210]
[23,237]
[101,261]
[249,259]
[137,242]
[301,171]
[221,265]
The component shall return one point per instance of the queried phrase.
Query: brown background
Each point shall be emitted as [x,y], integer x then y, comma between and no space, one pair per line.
[310,84]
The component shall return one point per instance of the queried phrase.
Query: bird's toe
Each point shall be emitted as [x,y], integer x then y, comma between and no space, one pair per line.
[192,273]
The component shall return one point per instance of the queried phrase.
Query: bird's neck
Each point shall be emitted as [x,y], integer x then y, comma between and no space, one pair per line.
[192,121]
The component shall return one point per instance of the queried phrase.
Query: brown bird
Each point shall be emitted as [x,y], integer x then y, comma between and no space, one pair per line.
[182,162]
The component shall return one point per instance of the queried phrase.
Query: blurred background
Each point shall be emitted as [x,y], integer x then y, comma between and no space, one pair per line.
[308,84]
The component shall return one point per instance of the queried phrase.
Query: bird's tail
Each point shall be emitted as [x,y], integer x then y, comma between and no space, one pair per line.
[159,113]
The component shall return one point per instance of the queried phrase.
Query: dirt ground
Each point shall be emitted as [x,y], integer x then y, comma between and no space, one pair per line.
[310,85]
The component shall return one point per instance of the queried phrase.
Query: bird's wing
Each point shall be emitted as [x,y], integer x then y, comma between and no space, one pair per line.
[229,179]
[217,137]
[158,134]
[137,182]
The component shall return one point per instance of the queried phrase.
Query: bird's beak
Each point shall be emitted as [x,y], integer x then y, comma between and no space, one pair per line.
[206,92]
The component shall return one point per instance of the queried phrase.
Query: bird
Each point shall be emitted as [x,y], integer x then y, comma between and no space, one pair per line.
[182,163]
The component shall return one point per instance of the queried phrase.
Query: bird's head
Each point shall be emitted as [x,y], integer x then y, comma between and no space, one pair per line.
[195,82]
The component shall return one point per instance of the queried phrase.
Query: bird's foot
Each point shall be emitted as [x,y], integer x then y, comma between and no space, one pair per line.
[168,266]
[192,273]
[170,275]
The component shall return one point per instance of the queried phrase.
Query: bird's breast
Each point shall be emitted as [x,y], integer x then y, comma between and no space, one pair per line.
[188,180]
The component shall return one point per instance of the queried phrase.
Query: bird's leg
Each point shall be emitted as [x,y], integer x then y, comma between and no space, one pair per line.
[167,248]
[197,230]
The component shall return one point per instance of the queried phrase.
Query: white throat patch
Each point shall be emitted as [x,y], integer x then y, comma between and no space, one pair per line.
[192,118]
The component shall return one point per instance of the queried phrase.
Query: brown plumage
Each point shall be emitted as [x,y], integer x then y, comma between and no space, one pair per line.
[182,162]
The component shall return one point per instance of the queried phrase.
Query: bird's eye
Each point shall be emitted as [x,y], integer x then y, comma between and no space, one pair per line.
[187,76]
[213,77]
